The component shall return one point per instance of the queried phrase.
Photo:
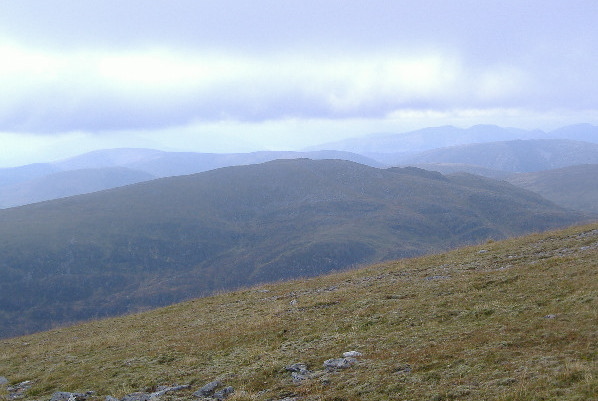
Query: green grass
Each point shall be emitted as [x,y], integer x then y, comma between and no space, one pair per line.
[505,320]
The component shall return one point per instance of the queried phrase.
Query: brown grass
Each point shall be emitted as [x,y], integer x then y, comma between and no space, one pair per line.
[508,320]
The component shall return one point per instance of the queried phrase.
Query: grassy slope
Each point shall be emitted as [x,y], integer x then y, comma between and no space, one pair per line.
[470,324]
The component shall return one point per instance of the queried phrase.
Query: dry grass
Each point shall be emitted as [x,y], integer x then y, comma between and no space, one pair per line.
[508,320]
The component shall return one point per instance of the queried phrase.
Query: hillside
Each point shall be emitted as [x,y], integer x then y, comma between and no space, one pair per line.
[162,241]
[573,187]
[514,156]
[509,320]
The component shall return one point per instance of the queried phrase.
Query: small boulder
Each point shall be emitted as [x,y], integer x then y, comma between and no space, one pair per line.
[3,380]
[352,354]
[224,393]
[208,389]
[299,372]
[339,363]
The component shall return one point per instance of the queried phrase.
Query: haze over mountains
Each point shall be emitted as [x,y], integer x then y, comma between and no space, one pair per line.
[511,151]
[161,241]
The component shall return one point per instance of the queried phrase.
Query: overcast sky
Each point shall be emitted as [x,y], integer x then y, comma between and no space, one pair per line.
[232,75]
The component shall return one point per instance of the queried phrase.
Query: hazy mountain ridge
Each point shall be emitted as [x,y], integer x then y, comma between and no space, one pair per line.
[68,183]
[105,169]
[405,144]
[515,156]
[17,185]
[165,240]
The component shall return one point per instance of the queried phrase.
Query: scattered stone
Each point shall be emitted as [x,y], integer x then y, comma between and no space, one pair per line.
[339,363]
[165,389]
[224,393]
[18,390]
[138,396]
[352,354]
[437,277]
[551,316]
[208,389]
[66,396]
[111,398]
[3,380]
[299,372]
[402,369]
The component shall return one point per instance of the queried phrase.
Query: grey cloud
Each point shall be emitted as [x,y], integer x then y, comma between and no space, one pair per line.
[537,55]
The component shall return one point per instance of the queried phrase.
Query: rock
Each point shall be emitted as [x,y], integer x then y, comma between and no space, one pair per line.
[551,316]
[165,389]
[224,393]
[3,380]
[208,389]
[66,396]
[139,396]
[111,398]
[339,363]
[18,390]
[352,354]
[403,369]
[299,372]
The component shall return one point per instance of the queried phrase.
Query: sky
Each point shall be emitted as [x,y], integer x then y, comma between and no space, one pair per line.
[237,76]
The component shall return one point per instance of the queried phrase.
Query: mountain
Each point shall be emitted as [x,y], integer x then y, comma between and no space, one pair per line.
[110,168]
[393,149]
[168,164]
[15,175]
[515,156]
[574,187]
[68,183]
[504,320]
[161,241]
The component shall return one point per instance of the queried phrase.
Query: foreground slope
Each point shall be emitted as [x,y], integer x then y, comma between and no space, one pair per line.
[162,241]
[509,320]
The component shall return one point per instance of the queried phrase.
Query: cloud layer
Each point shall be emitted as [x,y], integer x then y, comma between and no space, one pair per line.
[129,66]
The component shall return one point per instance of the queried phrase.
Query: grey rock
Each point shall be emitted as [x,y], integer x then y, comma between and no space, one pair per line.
[352,354]
[3,380]
[111,398]
[208,389]
[18,390]
[299,372]
[139,396]
[67,396]
[224,393]
[339,363]
[165,389]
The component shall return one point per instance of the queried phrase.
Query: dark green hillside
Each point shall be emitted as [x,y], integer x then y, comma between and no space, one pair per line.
[158,242]
[574,187]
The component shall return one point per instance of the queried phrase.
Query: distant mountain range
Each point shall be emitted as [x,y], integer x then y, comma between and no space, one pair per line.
[401,146]
[161,241]
[514,156]
[111,168]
